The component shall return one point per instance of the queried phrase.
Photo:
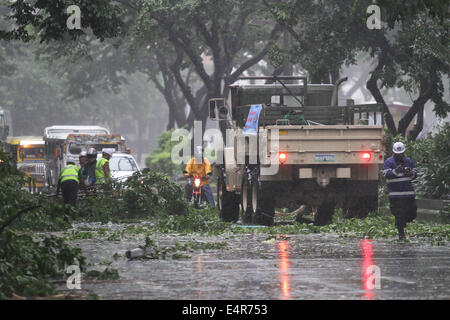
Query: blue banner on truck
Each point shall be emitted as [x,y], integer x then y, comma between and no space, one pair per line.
[251,126]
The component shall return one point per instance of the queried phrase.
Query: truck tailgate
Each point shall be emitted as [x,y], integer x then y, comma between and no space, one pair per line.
[338,144]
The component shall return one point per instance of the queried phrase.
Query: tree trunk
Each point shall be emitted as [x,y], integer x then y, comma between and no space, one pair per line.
[171,123]
[176,105]
[413,134]
[288,68]
[375,91]
[427,89]
[334,73]
[140,127]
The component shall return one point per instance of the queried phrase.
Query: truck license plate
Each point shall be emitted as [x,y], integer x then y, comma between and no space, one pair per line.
[324,158]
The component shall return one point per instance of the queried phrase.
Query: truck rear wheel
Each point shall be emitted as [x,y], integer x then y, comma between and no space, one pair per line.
[362,207]
[262,204]
[324,214]
[369,204]
[246,200]
[227,202]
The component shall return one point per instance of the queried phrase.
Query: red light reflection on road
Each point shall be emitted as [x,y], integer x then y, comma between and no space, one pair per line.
[199,265]
[367,253]
[199,277]
[283,247]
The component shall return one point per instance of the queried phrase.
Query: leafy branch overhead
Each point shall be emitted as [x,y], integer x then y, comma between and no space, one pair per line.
[168,40]
[191,30]
[46,20]
[411,50]
[192,49]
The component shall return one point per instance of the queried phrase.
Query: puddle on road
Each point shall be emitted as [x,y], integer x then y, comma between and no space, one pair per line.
[260,266]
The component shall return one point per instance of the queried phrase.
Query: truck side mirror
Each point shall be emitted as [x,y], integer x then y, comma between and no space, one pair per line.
[223,113]
[218,109]
[212,109]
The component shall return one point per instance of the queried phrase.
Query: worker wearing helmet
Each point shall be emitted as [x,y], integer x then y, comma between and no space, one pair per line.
[89,167]
[400,171]
[102,172]
[69,180]
[83,158]
[199,166]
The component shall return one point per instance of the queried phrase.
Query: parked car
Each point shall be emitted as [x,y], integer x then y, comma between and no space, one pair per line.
[122,166]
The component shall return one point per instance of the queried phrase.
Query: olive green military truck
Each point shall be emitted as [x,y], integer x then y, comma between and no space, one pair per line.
[289,143]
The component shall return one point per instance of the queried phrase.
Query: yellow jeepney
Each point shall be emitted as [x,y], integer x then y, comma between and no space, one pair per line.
[27,153]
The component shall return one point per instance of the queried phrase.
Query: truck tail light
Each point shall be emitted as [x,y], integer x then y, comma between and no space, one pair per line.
[283,157]
[366,156]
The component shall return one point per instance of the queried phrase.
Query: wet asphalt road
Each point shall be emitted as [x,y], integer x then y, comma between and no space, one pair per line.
[255,267]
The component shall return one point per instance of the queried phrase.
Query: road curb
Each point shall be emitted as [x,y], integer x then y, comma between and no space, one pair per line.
[428,209]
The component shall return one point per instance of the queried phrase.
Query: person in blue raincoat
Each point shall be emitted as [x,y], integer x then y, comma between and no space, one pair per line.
[400,171]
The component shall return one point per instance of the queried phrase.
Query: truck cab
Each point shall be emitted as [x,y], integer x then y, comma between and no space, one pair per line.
[57,148]
[76,143]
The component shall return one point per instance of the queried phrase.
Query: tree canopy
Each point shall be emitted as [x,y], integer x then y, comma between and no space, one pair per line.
[193,49]
[411,47]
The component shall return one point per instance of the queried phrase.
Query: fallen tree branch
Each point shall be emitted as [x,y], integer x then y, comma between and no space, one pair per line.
[11,220]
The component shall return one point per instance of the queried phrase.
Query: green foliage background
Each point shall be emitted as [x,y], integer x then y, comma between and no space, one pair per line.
[160,159]
[28,262]
[432,158]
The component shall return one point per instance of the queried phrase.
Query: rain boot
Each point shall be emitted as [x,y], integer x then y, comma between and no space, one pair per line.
[400,224]
[401,233]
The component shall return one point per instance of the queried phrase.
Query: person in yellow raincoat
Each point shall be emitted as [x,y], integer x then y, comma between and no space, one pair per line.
[203,169]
